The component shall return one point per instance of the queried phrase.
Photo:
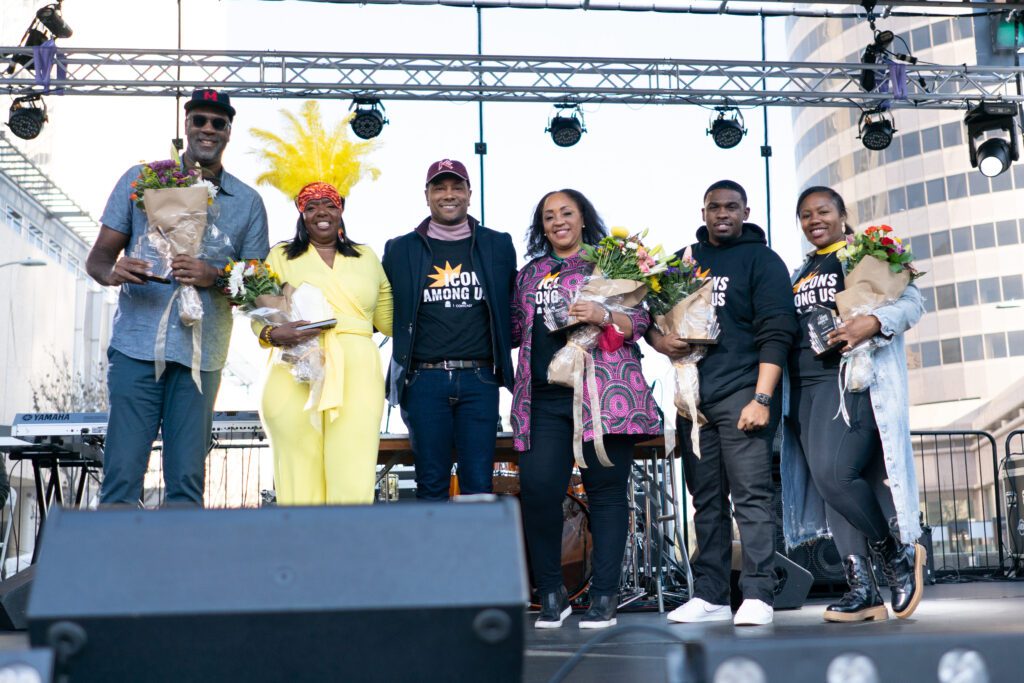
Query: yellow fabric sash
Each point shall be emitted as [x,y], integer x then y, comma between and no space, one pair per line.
[835,246]
[332,396]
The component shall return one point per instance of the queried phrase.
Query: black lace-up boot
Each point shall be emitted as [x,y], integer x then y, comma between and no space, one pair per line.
[862,602]
[903,566]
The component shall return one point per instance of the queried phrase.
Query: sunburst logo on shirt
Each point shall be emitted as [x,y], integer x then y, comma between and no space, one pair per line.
[548,279]
[443,276]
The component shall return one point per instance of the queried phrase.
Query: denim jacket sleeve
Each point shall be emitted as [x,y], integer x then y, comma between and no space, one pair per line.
[899,316]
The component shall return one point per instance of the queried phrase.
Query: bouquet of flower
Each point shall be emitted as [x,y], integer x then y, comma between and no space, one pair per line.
[168,174]
[682,306]
[257,292]
[622,266]
[878,268]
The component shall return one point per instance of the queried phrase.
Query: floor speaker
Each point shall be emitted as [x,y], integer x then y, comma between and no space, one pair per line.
[792,585]
[14,593]
[367,593]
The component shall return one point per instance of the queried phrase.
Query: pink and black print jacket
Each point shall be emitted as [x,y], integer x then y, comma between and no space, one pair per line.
[627,404]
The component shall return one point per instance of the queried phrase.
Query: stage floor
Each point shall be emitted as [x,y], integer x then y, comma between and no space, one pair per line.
[966,608]
[977,607]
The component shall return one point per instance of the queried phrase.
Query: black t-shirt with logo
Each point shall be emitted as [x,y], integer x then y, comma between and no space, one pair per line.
[453,321]
[544,344]
[817,286]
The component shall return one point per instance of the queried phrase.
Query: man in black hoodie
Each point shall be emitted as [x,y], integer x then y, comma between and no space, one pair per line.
[738,378]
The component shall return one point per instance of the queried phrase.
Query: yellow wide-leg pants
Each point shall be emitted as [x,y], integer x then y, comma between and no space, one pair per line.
[337,463]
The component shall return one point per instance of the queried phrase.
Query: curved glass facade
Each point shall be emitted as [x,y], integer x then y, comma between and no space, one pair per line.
[964,229]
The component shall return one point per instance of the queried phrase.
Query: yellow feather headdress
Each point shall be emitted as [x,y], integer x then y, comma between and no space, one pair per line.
[314,155]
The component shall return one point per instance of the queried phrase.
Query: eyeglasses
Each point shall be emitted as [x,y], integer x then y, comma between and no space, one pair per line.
[200,121]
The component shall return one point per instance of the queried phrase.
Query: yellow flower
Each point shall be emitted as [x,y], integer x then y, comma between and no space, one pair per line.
[655,285]
[620,232]
[227,268]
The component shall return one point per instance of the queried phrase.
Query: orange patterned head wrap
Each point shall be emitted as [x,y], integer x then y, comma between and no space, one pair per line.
[318,191]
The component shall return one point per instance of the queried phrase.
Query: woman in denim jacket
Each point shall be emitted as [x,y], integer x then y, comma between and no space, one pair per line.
[834,474]
[542,413]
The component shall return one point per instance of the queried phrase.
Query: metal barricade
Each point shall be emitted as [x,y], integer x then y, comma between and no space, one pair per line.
[960,499]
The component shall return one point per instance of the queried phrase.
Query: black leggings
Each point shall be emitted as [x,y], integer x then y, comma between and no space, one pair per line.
[845,462]
[544,473]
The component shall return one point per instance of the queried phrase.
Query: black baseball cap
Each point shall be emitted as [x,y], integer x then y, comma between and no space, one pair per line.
[208,97]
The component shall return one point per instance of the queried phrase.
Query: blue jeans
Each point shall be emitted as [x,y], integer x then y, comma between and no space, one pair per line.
[140,406]
[446,410]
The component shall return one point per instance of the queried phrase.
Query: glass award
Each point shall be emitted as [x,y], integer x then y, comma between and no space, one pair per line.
[823,321]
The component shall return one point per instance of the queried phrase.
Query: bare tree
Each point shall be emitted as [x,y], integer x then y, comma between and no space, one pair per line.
[63,390]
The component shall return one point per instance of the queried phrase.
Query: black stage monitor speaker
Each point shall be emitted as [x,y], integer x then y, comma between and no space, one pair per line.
[375,593]
[792,585]
[14,600]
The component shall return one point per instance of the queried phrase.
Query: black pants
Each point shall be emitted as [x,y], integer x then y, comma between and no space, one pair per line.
[544,473]
[845,462]
[737,463]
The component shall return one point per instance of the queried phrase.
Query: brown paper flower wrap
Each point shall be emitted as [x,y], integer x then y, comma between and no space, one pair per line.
[177,221]
[694,320]
[573,364]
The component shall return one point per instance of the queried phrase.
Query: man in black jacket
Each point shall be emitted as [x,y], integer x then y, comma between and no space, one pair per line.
[452,281]
[738,378]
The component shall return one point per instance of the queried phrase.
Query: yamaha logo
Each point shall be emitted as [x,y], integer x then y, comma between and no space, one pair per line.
[46,417]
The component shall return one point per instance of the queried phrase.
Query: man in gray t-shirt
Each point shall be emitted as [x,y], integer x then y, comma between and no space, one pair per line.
[140,402]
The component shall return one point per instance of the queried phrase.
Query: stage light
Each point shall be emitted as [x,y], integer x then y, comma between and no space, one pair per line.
[27,116]
[50,17]
[992,137]
[876,48]
[727,128]
[962,666]
[48,23]
[851,668]
[740,670]
[566,126]
[369,120]
[876,129]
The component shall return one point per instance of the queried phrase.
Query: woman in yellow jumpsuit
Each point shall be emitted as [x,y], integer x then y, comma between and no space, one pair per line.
[331,458]
[325,452]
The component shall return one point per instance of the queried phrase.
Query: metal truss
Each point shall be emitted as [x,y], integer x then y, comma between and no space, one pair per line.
[492,78]
[698,6]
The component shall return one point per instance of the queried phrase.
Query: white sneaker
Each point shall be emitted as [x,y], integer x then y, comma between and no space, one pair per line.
[697,610]
[754,613]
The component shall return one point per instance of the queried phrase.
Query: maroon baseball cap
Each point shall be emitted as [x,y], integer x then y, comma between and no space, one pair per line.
[447,166]
[207,97]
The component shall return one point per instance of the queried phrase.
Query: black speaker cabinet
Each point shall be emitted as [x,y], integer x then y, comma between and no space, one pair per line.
[14,592]
[376,593]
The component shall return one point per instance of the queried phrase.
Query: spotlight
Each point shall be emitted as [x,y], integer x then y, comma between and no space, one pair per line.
[369,120]
[727,129]
[27,116]
[50,17]
[566,128]
[995,154]
[876,48]
[48,23]
[876,129]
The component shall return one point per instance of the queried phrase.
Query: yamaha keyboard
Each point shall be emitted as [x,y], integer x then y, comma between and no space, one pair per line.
[74,429]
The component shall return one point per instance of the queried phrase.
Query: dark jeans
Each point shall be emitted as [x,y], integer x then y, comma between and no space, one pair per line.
[446,409]
[846,464]
[544,473]
[140,406]
[737,463]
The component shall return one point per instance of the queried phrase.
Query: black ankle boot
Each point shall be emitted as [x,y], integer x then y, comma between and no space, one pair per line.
[862,602]
[554,608]
[601,613]
[903,566]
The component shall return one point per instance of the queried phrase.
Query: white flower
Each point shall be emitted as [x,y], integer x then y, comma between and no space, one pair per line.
[236,283]
[211,189]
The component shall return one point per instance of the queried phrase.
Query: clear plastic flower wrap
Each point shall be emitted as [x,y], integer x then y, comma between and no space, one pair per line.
[573,365]
[257,293]
[694,320]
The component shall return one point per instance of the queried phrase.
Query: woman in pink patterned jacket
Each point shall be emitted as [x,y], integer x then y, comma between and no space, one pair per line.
[542,415]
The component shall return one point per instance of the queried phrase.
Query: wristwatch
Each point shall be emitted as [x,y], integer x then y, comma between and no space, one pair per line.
[763,399]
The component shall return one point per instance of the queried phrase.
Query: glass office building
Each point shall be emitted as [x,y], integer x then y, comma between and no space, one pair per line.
[966,230]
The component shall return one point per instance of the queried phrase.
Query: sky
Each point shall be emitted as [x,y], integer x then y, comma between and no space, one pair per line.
[643,167]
